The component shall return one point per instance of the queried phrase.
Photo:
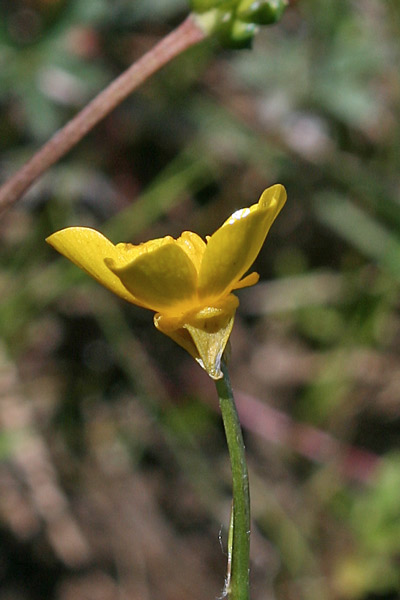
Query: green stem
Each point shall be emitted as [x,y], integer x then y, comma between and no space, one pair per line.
[185,35]
[238,585]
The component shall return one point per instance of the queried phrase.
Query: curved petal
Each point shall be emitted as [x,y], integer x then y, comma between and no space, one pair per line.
[233,248]
[194,246]
[163,278]
[88,249]
[129,252]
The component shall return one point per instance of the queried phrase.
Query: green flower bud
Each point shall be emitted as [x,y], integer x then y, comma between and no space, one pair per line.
[234,33]
[262,12]
[234,22]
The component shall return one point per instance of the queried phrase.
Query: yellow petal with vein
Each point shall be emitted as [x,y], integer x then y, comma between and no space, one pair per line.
[233,248]
[88,249]
[163,278]
[194,246]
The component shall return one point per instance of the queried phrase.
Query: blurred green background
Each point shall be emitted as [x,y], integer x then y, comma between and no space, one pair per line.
[114,476]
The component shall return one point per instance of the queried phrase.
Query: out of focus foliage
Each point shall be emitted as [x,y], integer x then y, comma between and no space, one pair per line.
[114,477]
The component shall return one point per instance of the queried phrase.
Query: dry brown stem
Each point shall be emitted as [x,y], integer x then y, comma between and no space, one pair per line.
[185,35]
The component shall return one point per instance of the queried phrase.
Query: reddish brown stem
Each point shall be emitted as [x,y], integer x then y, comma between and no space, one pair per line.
[184,36]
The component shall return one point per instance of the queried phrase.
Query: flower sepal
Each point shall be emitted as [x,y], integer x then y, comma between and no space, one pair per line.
[204,334]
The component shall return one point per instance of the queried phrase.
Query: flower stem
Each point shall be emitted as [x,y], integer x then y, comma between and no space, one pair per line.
[238,582]
[185,35]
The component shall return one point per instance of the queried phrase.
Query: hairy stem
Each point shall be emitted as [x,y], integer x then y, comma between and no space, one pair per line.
[185,35]
[237,585]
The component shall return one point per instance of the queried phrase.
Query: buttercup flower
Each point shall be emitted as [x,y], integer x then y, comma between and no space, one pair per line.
[186,281]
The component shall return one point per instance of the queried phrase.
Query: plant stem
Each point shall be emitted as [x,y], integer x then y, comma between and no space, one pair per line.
[238,585]
[185,35]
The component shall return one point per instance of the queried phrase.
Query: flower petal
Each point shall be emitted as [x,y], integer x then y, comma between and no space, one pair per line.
[233,248]
[204,334]
[194,246]
[88,249]
[163,278]
[130,252]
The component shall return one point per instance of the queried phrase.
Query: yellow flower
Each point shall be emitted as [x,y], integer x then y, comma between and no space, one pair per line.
[187,281]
